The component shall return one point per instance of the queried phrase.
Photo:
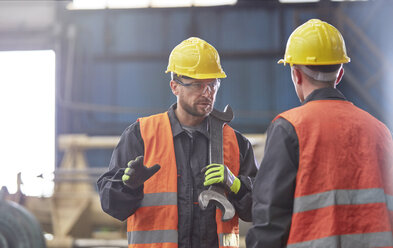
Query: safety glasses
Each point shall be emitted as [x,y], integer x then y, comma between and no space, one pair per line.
[201,87]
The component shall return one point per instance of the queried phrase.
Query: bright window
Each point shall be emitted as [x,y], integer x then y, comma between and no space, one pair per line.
[102,4]
[27,133]
[298,1]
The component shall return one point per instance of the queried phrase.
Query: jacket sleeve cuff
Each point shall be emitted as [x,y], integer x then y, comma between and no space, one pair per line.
[245,187]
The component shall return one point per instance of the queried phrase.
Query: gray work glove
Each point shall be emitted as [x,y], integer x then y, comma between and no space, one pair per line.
[137,173]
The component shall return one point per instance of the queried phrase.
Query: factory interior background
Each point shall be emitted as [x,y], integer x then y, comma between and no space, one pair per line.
[75,74]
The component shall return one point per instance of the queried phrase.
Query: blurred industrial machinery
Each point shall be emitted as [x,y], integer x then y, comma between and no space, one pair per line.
[18,227]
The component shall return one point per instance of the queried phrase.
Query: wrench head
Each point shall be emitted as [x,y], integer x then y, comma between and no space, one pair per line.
[207,197]
[226,115]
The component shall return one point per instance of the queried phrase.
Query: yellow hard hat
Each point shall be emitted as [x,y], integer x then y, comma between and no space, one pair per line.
[315,43]
[195,58]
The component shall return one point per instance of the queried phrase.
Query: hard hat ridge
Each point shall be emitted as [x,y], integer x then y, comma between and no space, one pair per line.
[315,43]
[195,58]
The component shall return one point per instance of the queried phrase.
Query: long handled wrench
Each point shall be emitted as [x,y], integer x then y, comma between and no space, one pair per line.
[216,194]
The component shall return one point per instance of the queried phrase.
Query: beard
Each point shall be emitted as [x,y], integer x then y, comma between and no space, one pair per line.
[201,108]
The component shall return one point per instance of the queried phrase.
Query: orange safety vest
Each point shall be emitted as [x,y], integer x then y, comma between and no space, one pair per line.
[344,184]
[155,223]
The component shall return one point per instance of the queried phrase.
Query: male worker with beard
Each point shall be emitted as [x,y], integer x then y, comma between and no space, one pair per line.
[326,176]
[160,165]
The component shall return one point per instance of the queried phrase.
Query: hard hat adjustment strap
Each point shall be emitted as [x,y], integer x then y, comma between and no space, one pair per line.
[319,76]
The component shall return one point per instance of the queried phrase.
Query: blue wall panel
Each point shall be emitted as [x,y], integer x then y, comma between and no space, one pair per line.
[120,57]
[125,54]
[248,30]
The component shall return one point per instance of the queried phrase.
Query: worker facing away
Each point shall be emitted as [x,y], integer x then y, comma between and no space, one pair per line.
[160,165]
[326,176]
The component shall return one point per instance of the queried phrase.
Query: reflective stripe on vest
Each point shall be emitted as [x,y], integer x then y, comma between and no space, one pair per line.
[229,239]
[159,199]
[364,240]
[150,237]
[342,197]
[155,222]
[344,189]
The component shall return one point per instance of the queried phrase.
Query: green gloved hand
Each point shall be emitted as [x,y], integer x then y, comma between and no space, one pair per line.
[219,173]
[137,173]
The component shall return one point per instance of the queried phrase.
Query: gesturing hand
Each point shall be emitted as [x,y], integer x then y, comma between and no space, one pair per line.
[137,173]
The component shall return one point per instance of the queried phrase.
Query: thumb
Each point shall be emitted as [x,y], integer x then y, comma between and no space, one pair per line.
[204,169]
[153,170]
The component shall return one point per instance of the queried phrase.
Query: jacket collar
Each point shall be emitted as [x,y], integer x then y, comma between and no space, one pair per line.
[328,93]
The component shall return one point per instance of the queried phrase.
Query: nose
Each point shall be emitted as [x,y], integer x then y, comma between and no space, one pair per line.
[207,89]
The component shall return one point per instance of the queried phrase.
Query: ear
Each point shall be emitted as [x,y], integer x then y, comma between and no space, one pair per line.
[174,87]
[340,76]
[297,75]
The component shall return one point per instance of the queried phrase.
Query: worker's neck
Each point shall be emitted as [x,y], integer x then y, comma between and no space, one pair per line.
[309,87]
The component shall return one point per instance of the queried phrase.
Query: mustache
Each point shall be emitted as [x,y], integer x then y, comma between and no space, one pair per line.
[205,100]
